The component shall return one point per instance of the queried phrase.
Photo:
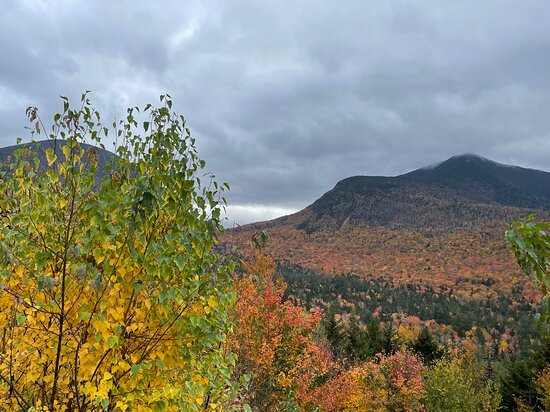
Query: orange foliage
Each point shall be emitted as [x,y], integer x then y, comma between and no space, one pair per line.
[472,262]
[274,340]
[388,383]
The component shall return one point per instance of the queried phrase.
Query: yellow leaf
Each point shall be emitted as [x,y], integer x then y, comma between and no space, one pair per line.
[66,149]
[212,301]
[50,156]
[121,405]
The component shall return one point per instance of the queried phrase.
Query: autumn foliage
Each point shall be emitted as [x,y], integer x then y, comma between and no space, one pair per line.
[114,294]
[279,345]
[474,263]
[274,339]
[112,297]
[386,383]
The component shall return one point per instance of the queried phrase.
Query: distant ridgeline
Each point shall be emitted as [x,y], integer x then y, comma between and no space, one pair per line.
[436,229]
[40,147]
[464,191]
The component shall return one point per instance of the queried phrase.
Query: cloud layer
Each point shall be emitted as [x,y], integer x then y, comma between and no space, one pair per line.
[286,98]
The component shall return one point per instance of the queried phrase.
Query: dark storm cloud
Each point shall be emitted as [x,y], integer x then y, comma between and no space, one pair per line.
[286,98]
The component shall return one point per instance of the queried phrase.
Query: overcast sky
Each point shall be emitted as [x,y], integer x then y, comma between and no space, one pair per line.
[288,97]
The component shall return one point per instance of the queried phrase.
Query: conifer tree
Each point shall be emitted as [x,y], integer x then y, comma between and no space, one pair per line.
[389,344]
[373,338]
[426,347]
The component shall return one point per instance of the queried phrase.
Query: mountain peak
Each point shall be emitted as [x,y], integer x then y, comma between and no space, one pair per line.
[469,156]
[472,158]
[465,166]
[463,158]
[461,191]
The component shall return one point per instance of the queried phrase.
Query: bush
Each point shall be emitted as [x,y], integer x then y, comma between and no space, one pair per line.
[459,383]
[275,341]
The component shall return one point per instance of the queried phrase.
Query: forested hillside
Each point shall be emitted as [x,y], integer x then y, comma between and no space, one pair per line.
[461,192]
[503,319]
[419,262]
[440,226]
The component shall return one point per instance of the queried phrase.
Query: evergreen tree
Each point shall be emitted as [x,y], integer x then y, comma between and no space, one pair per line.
[388,342]
[334,332]
[373,338]
[426,347]
[518,381]
[356,344]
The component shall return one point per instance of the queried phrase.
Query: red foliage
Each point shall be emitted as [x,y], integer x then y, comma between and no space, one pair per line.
[274,340]
[388,383]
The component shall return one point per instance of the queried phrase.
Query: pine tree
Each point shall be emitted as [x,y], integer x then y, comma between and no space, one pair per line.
[373,338]
[518,381]
[388,341]
[334,332]
[426,347]
[356,340]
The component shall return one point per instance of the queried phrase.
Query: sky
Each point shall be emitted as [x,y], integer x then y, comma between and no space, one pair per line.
[286,98]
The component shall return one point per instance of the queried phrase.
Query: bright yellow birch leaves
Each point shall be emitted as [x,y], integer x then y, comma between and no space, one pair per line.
[111,294]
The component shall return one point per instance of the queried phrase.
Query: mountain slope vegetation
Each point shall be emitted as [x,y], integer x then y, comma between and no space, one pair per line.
[439,228]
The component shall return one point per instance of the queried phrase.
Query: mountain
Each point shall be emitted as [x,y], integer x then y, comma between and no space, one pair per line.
[503,184]
[103,156]
[440,226]
[463,191]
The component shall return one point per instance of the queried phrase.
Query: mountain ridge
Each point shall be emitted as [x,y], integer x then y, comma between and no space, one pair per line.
[462,191]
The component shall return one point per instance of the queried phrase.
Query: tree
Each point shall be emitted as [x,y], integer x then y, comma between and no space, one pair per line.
[334,332]
[460,383]
[373,338]
[518,385]
[425,346]
[275,341]
[530,242]
[386,383]
[112,296]
[389,339]
[520,382]
[356,342]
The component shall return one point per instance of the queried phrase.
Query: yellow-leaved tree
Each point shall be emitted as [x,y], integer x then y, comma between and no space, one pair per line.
[112,296]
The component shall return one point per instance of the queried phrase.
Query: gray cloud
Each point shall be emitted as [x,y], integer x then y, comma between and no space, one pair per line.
[286,98]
